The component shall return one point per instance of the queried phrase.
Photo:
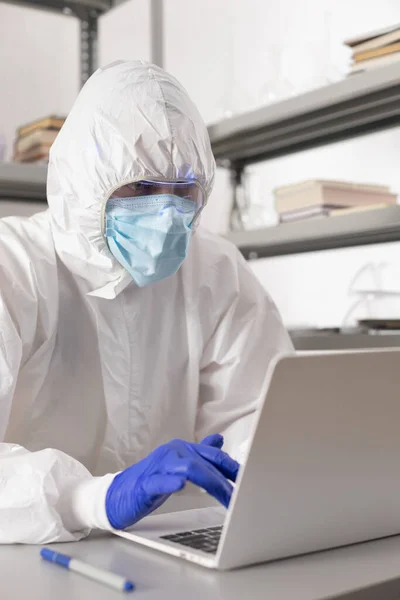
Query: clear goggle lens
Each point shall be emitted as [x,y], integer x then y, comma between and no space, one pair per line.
[190,191]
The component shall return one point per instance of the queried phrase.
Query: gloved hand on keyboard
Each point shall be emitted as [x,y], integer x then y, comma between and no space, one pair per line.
[146,485]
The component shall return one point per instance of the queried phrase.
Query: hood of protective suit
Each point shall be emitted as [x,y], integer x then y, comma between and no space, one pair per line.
[130,121]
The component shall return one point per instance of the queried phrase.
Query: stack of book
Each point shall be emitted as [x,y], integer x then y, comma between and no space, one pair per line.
[375,49]
[322,198]
[35,139]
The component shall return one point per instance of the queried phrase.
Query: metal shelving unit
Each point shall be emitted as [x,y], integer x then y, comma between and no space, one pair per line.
[23,182]
[88,13]
[26,181]
[361,104]
[358,105]
[313,339]
[355,229]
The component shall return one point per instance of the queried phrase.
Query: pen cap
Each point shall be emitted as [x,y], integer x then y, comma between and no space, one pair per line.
[55,557]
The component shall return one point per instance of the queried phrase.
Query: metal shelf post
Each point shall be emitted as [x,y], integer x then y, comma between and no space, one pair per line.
[88,13]
[88,44]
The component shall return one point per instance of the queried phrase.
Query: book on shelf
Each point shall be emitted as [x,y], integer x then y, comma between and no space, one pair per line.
[375,49]
[306,213]
[35,154]
[39,137]
[374,39]
[50,122]
[332,194]
[373,63]
[314,212]
[385,50]
[35,139]
[388,323]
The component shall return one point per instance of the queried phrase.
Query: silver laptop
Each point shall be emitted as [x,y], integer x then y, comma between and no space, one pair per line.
[323,468]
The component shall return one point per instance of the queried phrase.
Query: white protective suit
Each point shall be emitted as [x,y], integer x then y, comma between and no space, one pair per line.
[94,371]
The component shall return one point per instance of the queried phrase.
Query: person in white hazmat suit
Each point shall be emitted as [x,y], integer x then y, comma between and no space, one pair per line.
[127,333]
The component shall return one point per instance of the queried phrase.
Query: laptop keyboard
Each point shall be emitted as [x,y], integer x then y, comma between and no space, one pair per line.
[200,539]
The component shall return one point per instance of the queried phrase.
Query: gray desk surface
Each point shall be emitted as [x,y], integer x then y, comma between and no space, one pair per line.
[23,575]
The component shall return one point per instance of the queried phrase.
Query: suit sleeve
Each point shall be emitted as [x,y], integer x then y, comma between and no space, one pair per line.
[45,496]
[247,336]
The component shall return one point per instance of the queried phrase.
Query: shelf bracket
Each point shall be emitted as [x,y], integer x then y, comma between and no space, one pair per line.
[236,217]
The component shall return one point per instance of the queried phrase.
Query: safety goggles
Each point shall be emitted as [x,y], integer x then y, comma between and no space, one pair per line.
[189,190]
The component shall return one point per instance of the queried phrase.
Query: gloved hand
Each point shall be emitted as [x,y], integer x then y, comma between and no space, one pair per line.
[146,485]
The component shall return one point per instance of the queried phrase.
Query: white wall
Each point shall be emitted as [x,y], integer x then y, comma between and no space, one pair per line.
[233,55]
[39,66]
[318,288]
[250,53]
[124,32]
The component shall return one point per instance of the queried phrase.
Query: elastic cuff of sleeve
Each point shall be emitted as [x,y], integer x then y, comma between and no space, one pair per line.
[83,504]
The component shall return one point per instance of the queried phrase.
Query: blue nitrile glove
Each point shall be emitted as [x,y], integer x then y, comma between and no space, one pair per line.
[143,487]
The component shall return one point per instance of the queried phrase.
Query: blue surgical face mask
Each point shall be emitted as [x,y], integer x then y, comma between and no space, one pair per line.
[149,235]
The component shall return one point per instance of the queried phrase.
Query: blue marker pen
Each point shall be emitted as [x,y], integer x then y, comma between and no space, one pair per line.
[111,579]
